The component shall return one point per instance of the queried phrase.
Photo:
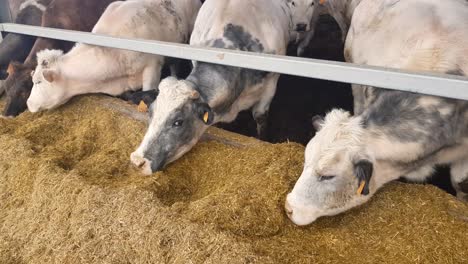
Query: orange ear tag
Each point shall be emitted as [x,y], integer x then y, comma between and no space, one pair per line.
[205,117]
[361,187]
[10,69]
[142,107]
[322,2]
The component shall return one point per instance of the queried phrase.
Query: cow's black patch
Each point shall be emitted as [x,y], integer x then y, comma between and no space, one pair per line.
[400,117]
[241,39]
[147,97]
[219,43]
[170,138]
[211,81]
[456,71]
[167,4]
[464,185]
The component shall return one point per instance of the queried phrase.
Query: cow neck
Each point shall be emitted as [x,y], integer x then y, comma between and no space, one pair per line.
[350,6]
[86,76]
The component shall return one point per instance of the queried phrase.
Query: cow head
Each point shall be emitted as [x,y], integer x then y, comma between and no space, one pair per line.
[337,173]
[301,13]
[47,91]
[17,88]
[178,118]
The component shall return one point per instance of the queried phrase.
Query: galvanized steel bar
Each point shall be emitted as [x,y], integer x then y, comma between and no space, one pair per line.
[426,83]
[5,12]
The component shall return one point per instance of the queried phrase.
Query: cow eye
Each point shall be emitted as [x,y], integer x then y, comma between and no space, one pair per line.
[293,3]
[312,4]
[178,123]
[325,178]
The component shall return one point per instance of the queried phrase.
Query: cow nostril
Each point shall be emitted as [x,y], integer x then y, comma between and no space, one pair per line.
[140,163]
[137,160]
[288,209]
[301,27]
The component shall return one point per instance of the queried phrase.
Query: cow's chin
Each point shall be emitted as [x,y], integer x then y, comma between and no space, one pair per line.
[304,215]
[41,104]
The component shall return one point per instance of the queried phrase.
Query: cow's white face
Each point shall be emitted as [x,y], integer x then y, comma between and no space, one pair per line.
[178,118]
[48,89]
[47,92]
[336,175]
[301,12]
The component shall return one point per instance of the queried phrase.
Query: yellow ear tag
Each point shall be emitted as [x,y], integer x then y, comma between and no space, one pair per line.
[205,117]
[322,2]
[361,187]
[142,107]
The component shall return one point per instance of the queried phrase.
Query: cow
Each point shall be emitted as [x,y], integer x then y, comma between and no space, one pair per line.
[340,10]
[212,93]
[79,15]
[301,13]
[397,133]
[16,47]
[92,69]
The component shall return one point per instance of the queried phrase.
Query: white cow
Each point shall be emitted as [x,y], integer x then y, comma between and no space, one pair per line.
[214,93]
[93,69]
[395,133]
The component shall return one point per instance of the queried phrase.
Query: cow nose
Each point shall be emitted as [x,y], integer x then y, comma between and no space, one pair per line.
[142,163]
[288,209]
[301,27]
[31,107]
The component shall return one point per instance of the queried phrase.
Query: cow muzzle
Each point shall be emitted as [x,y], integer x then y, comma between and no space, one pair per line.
[14,107]
[298,215]
[141,162]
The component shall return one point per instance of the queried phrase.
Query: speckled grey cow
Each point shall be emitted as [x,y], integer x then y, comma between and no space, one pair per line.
[213,93]
[394,133]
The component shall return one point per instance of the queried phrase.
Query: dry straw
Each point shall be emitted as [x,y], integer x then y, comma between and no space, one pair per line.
[69,195]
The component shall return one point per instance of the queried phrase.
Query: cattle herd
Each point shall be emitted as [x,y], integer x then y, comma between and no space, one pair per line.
[392,134]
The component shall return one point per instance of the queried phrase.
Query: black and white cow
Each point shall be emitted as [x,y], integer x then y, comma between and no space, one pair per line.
[394,133]
[213,93]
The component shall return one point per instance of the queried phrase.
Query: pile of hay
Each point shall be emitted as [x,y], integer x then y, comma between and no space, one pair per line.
[69,195]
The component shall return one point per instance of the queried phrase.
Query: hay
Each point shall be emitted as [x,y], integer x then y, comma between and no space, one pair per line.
[69,195]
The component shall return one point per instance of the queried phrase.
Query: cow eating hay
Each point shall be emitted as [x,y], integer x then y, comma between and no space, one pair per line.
[68,193]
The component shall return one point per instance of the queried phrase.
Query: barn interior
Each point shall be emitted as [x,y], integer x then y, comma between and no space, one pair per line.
[69,193]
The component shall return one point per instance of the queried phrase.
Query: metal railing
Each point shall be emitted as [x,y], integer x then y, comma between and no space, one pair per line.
[444,85]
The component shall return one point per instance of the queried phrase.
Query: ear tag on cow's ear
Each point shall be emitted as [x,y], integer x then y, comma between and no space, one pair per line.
[206,117]
[322,2]
[361,187]
[10,69]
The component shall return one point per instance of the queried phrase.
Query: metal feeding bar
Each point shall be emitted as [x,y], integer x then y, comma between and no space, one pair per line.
[444,85]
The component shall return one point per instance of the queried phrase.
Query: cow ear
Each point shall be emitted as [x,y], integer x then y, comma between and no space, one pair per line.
[205,113]
[317,122]
[363,170]
[50,75]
